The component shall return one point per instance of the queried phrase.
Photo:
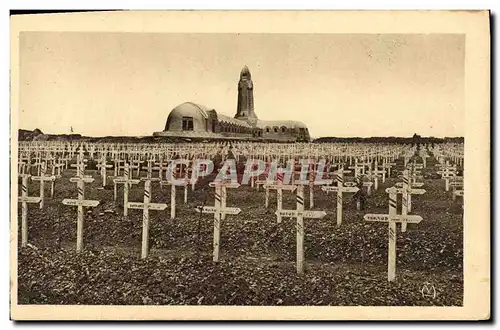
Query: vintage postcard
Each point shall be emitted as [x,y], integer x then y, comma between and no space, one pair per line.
[250,165]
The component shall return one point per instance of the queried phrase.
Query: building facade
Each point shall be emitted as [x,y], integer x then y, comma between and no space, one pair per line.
[193,120]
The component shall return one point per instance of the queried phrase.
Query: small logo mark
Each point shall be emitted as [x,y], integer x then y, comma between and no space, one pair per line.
[428,290]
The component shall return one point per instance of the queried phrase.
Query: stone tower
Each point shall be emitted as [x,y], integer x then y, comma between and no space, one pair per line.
[245,110]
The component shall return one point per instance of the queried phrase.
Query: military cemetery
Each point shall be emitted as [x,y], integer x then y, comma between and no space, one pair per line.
[161,170]
[228,226]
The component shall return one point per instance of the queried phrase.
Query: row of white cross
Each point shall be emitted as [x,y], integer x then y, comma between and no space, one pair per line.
[392,218]
[220,209]
[448,172]
[332,151]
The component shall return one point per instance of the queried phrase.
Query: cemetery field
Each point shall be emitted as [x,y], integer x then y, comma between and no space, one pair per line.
[345,265]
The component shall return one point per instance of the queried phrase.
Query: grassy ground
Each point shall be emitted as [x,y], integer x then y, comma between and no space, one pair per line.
[345,265]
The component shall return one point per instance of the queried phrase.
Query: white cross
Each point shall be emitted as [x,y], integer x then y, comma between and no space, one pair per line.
[42,178]
[218,210]
[392,218]
[388,166]
[37,163]
[103,167]
[80,166]
[279,187]
[159,166]
[55,167]
[406,192]
[81,203]
[118,165]
[24,199]
[173,193]
[300,214]
[146,205]
[376,174]
[127,182]
[135,164]
[447,172]
[340,188]
[195,171]
[358,169]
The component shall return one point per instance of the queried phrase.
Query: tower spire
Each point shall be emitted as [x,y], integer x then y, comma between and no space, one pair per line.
[245,109]
[245,72]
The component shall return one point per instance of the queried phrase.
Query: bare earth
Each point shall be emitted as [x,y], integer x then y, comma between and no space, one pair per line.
[344,266]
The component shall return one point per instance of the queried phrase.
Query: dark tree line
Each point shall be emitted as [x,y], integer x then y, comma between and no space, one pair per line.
[26,135]
[416,139]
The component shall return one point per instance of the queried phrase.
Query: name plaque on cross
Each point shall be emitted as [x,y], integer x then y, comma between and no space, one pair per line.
[213,209]
[80,203]
[299,213]
[145,206]
[392,218]
[219,210]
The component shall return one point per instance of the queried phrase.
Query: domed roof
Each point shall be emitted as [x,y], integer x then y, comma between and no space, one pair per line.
[199,114]
[190,109]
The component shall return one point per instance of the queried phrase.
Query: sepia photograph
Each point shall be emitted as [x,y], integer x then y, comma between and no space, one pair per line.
[250,165]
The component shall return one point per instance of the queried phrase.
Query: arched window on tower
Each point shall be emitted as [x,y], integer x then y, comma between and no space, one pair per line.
[268,129]
[275,129]
[283,129]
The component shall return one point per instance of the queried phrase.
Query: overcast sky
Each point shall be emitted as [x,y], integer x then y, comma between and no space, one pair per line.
[337,84]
